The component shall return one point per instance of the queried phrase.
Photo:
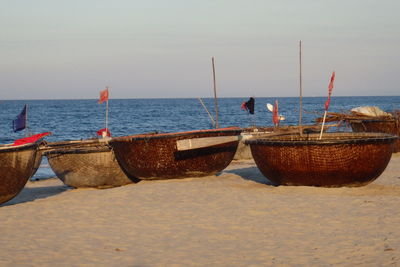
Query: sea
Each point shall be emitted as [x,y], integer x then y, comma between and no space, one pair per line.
[81,119]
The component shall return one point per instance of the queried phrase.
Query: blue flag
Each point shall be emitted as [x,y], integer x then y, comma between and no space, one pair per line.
[20,122]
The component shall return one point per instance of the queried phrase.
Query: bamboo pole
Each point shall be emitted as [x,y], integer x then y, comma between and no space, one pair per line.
[108,92]
[301,91]
[26,122]
[107,115]
[108,96]
[208,112]
[215,94]
[323,123]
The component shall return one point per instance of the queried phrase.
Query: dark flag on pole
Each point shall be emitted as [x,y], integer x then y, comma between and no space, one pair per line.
[20,122]
[249,105]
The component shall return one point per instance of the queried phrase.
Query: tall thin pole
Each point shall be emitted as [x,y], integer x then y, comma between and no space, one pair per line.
[107,110]
[301,88]
[301,93]
[26,122]
[107,115]
[209,114]
[215,95]
[323,124]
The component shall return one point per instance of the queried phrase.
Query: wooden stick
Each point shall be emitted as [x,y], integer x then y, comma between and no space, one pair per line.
[215,95]
[322,128]
[301,91]
[107,113]
[209,114]
[26,122]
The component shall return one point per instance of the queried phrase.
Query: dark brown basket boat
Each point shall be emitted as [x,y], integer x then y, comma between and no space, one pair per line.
[17,164]
[338,159]
[389,126]
[155,156]
[85,163]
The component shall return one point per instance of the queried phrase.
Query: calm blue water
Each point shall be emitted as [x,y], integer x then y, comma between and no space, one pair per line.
[80,119]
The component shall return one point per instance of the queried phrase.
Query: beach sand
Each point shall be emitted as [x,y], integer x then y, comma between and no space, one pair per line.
[232,219]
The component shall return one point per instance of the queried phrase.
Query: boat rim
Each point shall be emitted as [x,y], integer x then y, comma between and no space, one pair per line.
[148,136]
[363,120]
[11,147]
[77,146]
[72,150]
[327,139]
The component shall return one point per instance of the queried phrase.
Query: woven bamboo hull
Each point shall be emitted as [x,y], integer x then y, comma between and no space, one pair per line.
[16,165]
[379,126]
[86,164]
[347,159]
[155,156]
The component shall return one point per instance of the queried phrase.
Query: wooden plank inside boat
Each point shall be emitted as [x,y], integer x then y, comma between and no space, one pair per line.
[195,143]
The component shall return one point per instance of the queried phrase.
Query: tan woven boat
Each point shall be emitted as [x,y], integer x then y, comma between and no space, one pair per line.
[156,156]
[17,165]
[389,126]
[339,159]
[85,163]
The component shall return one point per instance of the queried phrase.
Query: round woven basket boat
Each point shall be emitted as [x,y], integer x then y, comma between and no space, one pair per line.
[338,159]
[156,156]
[389,126]
[17,166]
[85,163]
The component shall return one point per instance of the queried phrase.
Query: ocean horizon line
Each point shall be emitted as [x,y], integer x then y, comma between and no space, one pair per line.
[209,97]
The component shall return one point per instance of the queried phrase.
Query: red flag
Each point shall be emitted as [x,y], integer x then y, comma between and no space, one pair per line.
[105,131]
[275,116]
[30,139]
[243,107]
[330,87]
[103,96]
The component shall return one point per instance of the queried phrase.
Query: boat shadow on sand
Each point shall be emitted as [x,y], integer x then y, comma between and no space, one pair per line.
[251,174]
[29,194]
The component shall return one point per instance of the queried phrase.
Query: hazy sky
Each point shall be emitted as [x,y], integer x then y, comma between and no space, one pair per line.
[72,49]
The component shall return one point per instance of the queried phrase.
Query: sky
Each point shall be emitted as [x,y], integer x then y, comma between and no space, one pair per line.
[52,49]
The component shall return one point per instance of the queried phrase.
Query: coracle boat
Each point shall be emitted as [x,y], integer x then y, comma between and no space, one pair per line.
[338,159]
[370,119]
[388,125]
[176,155]
[17,166]
[85,163]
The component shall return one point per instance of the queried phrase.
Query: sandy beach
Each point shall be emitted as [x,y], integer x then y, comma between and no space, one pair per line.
[233,219]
